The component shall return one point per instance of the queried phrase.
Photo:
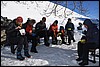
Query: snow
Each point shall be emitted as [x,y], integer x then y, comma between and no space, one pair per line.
[55,55]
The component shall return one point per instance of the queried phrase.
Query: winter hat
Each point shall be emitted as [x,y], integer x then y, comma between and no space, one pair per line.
[69,19]
[32,21]
[80,23]
[87,22]
[56,21]
[44,19]
[19,19]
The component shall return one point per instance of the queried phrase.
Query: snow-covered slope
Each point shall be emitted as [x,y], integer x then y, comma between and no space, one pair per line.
[32,10]
[55,55]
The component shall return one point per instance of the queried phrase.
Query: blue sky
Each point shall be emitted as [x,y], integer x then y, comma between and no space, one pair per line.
[92,6]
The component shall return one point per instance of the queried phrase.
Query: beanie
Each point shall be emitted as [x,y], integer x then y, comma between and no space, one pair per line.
[19,19]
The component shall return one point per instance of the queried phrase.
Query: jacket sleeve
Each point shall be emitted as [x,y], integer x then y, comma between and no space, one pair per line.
[37,28]
[91,36]
[11,28]
[73,26]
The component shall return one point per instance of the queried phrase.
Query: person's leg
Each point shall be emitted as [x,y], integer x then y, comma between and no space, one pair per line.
[13,42]
[26,50]
[38,39]
[79,51]
[72,36]
[34,44]
[54,38]
[63,40]
[20,46]
[69,37]
[48,34]
[46,38]
[86,48]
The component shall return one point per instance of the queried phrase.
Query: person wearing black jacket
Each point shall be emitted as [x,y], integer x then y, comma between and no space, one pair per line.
[69,27]
[91,41]
[15,37]
[30,33]
[41,30]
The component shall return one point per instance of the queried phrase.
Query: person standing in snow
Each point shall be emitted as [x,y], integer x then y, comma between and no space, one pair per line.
[91,41]
[41,31]
[15,37]
[30,33]
[69,27]
[53,30]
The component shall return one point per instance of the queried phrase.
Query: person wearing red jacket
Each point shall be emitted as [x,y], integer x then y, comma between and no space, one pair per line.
[31,35]
[53,32]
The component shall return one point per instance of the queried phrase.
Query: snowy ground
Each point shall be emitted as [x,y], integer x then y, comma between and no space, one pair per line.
[55,55]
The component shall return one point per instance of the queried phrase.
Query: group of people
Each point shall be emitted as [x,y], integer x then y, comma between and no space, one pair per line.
[69,28]
[33,35]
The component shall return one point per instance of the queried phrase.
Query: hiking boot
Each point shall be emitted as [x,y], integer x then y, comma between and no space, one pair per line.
[78,59]
[27,54]
[35,51]
[63,42]
[83,63]
[13,52]
[48,44]
[19,56]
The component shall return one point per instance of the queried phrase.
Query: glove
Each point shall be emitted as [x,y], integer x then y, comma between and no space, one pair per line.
[83,41]
[33,34]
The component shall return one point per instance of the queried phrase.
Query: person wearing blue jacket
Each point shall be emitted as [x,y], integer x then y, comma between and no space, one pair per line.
[91,41]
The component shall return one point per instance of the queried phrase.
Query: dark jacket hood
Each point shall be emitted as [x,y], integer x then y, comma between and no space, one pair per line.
[89,23]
